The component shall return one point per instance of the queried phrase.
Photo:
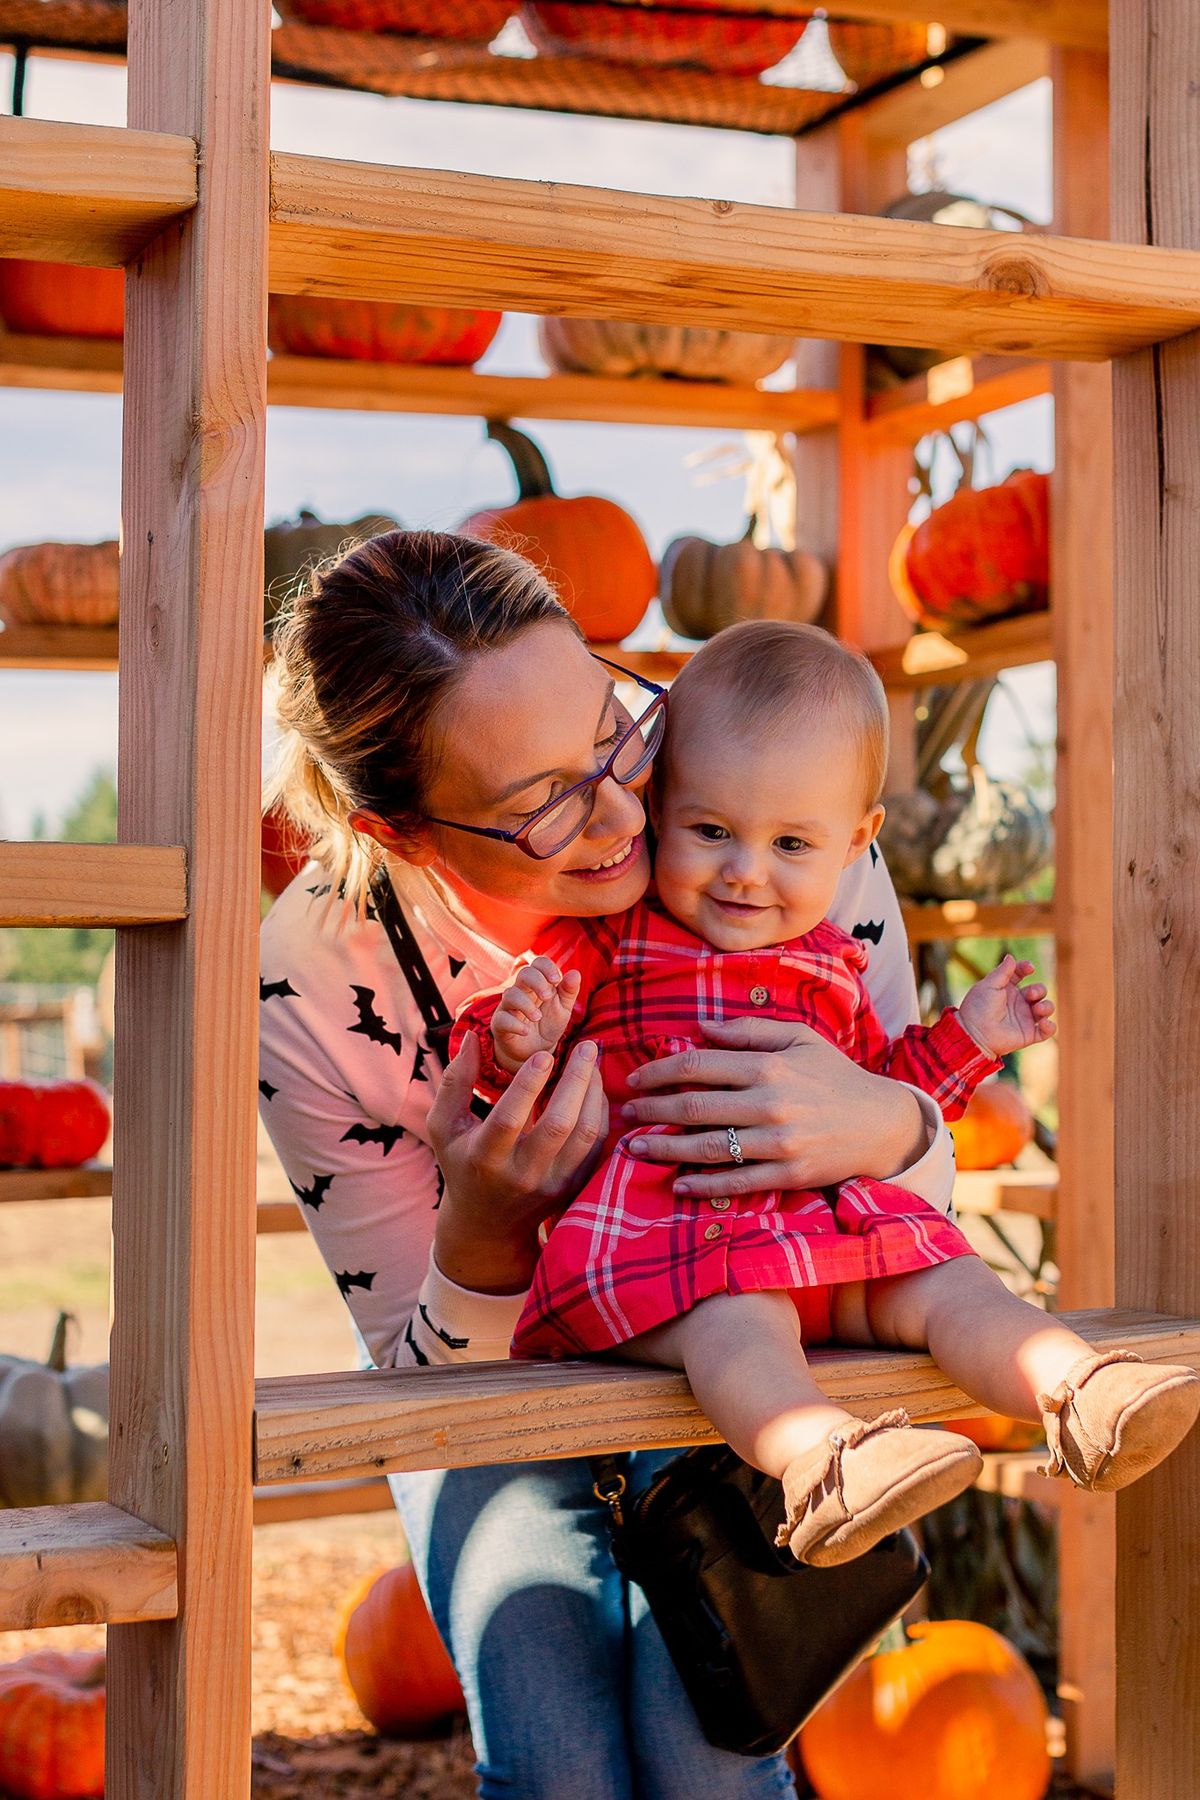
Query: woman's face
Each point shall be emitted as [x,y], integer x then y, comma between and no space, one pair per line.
[524,723]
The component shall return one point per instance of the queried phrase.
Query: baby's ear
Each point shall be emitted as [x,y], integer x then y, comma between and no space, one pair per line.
[865,832]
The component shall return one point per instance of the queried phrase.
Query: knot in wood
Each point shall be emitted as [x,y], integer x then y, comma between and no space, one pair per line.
[1011,273]
[722,206]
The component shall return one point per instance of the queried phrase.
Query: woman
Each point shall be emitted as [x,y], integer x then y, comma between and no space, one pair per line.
[442,716]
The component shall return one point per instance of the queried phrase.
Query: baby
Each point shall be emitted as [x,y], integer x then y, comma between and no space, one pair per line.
[767,788]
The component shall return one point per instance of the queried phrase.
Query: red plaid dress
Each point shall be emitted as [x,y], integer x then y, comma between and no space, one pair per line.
[628,1254]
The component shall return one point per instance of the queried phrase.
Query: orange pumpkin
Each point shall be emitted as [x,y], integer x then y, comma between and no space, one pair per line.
[284,849]
[996,1432]
[52,1725]
[60,584]
[378,330]
[469,21]
[995,1128]
[700,35]
[954,1712]
[589,549]
[984,555]
[61,299]
[394,1659]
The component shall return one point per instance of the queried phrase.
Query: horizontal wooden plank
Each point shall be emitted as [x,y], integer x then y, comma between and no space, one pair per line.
[58,647]
[961,388]
[915,109]
[92,1182]
[371,1422]
[1075,24]
[64,364]
[934,657]
[92,884]
[982,1192]
[320,1500]
[942,922]
[85,1564]
[89,193]
[385,233]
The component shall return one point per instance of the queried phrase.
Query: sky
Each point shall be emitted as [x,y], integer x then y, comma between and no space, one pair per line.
[60,453]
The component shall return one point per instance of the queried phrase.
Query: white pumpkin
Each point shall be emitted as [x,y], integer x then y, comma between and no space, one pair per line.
[53,1428]
[704,586]
[611,347]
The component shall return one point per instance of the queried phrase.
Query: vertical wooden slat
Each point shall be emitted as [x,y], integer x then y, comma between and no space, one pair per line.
[1156,857]
[183,1212]
[1082,627]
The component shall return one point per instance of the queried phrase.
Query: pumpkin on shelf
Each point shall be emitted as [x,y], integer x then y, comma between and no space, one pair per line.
[394,1659]
[61,584]
[994,1129]
[944,1710]
[702,36]
[982,840]
[53,1430]
[467,21]
[993,1431]
[378,330]
[706,586]
[690,353]
[52,1725]
[588,548]
[51,1124]
[983,555]
[291,547]
[61,299]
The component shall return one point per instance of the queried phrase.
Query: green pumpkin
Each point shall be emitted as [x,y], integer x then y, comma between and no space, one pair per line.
[53,1428]
[705,586]
[981,842]
[293,546]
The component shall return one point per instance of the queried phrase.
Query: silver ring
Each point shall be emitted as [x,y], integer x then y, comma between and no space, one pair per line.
[735,1149]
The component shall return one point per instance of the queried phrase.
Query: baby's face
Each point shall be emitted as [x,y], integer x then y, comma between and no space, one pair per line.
[753,836]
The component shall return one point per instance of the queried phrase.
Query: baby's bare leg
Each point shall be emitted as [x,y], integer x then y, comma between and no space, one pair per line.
[743,1356]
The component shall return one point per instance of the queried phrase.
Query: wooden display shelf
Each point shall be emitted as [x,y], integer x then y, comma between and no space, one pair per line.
[933,658]
[89,193]
[981,1192]
[92,884]
[370,1423]
[320,1500]
[83,1564]
[943,922]
[92,365]
[374,231]
[92,1182]
[963,387]
[58,647]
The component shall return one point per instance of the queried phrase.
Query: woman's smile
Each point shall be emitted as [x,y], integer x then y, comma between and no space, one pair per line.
[614,866]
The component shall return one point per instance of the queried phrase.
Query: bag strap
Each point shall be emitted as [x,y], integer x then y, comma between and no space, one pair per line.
[425,990]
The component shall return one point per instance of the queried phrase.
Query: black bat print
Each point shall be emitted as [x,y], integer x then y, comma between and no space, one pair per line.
[321,888]
[441,1186]
[452,1343]
[363,1279]
[370,1025]
[873,930]
[267,1091]
[418,1355]
[313,1196]
[276,990]
[419,1062]
[874,854]
[386,1135]
[456,967]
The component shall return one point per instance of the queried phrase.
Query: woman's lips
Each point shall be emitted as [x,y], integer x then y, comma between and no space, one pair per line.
[615,870]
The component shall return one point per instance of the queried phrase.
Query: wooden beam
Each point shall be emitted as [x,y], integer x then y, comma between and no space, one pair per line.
[982,1192]
[933,924]
[1156,862]
[321,1500]
[84,1564]
[336,1426]
[932,658]
[379,232]
[92,1182]
[92,884]
[58,647]
[89,193]
[1077,24]
[961,388]
[65,364]
[189,772]
[916,109]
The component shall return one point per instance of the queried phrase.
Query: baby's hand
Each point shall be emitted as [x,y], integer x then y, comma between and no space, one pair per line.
[534,1012]
[1004,1016]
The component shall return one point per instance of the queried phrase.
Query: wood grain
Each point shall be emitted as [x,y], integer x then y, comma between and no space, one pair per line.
[89,193]
[912,109]
[321,1500]
[1082,24]
[905,413]
[82,1565]
[1156,859]
[935,923]
[58,647]
[189,771]
[982,1192]
[943,656]
[380,232]
[91,884]
[91,1182]
[341,1425]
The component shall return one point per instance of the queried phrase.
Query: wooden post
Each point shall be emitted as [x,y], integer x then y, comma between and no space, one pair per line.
[1156,859]
[191,659]
[1082,626]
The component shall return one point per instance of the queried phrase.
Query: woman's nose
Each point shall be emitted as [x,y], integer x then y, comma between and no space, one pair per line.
[618,809]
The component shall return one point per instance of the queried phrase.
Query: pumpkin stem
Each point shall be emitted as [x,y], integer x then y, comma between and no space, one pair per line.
[751,528]
[57,1359]
[529,465]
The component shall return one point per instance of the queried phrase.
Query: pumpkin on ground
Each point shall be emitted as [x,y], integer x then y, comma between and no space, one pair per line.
[947,1710]
[51,1124]
[292,546]
[702,35]
[984,555]
[994,1129]
[983,840]
[378,330]
[469,21]
[61,299]
[60,584]
[53,1430]
[52,1725]
[691,352]
[588,548]
[284,849]
[993,1431]
[394,1659]
[706,586]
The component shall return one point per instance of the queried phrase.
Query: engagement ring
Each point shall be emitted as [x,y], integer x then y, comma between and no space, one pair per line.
[735,1149]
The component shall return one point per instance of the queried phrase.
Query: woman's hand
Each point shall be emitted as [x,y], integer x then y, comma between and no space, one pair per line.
[806,1116]
[504,1174]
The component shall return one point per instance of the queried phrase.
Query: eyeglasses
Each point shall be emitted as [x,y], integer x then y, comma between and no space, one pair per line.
[561,820]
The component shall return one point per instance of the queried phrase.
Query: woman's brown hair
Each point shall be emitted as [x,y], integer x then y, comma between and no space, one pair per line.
[365,658]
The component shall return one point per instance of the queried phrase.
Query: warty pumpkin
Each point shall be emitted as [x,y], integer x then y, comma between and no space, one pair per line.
[53,1429]
[693,353]
[52,1725]
[468,21]
[394,1658]
[947,1710]
[705,586]
[60,584]
[588,548]
[995,1127]
[378,330]
[984,554]
[700,36]
[983,840]
[61,299]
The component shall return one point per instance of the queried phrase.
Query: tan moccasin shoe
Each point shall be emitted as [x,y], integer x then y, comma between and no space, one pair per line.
[1115,1417]
[867,1481]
